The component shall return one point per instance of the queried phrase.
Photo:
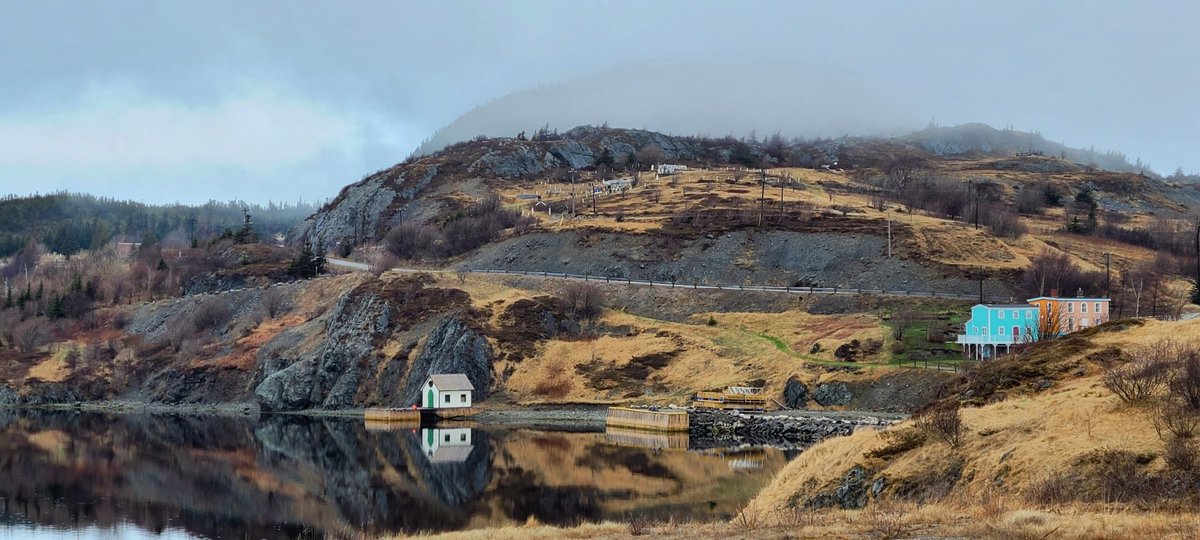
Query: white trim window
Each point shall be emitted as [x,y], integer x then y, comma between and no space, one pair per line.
[1001,314]
[1070,307]
[1083,307]
[1002,330]
[1098,309]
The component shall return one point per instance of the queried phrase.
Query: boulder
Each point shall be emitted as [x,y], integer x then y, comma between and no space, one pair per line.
[832,394]
[795,393]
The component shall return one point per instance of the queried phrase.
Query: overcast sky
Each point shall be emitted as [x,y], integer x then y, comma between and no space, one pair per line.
[187,101]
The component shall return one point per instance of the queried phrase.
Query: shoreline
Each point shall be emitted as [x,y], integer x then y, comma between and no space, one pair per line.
[565,417]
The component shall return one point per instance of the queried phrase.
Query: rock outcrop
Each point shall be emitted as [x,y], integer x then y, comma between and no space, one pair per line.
[8,396]
[795,394]
[453,347]
[832,394]
[415,190]
[327,377]
[850,494]
[709,427]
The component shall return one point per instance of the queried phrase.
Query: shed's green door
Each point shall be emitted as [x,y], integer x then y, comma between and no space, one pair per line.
[430,399]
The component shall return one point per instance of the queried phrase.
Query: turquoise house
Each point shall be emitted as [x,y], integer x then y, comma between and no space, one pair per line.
[994,329]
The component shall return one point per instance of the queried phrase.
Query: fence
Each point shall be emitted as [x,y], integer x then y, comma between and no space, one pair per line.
[940,366]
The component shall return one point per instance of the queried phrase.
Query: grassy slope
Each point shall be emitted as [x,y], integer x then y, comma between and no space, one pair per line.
[1009,445]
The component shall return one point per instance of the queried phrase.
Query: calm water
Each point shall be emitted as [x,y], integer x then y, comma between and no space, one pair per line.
[98,476]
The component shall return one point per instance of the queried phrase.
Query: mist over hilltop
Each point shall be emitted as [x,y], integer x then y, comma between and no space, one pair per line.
[225,100]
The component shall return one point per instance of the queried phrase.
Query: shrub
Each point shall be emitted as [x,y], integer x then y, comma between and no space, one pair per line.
[412,241]
[899,347]
[638,525]
[1185,384]
[274,302]
[1002,221]
[887,519]
[1030,200]
[31,334]
[901,321]
[1182,455]
[943,422]
[582,300]
[1175,419]
[712,321]
[211,313]
[1136,381]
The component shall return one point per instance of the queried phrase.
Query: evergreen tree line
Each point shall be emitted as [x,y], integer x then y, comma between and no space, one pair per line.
[68,223]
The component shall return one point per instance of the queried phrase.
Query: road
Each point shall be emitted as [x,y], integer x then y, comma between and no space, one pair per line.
[696,286]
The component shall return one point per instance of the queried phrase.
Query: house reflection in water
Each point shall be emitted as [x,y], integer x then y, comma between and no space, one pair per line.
[446,445]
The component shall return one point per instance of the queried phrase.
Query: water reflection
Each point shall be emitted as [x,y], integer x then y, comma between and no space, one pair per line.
[290,476]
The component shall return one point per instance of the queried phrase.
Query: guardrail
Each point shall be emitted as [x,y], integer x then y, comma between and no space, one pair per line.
[740,287]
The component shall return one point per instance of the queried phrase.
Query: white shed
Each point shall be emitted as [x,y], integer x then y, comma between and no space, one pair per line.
[447,391]
[446,445]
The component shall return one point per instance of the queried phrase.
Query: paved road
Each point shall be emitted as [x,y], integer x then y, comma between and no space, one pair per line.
[348,264]
[681,285]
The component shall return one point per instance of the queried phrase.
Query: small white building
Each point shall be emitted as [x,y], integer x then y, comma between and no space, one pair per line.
[446,445]
[617,185]
[447,391]
[669,168]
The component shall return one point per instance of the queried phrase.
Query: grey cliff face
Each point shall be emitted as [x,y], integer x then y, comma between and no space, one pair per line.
[452,347]
[328,376]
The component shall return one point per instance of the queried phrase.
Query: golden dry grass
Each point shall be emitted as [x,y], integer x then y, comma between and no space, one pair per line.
[734,351]
[949,242]
[1008,446]
[901,521]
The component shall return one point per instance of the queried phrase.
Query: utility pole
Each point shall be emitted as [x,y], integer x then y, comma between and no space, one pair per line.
[762,200]
[1107,274]
[981,285]
[889,222]
[781,185]
[191,225]
[976,204]
[572,176]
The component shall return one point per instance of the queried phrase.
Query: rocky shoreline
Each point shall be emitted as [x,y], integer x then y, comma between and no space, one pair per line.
[720,428]
[708,428]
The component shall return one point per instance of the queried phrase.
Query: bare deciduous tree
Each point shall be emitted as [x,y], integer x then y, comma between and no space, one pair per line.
[901,321]
[582,300]
[274,302]
[942,421]
[31,334]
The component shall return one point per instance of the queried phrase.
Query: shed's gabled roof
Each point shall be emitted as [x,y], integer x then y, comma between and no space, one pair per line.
[1065,298]
[451,382]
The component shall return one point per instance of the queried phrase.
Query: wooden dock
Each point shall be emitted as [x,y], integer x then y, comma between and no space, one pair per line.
[378,415]
[647,419]
[640,438]
[393,415]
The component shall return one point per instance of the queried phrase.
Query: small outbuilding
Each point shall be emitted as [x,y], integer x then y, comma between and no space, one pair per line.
[447,391]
